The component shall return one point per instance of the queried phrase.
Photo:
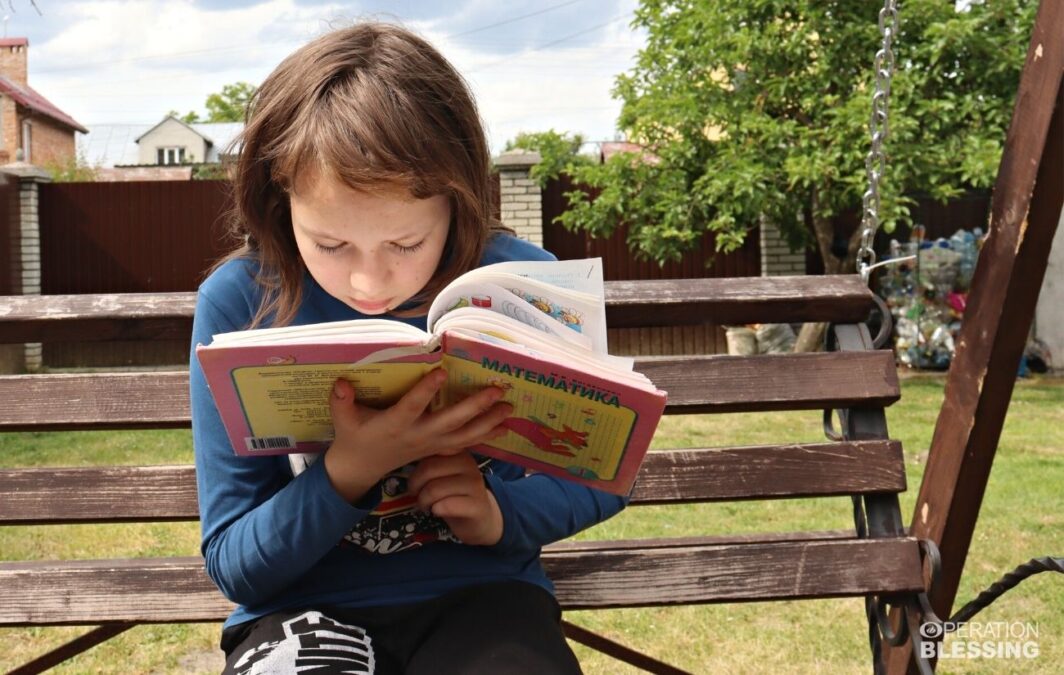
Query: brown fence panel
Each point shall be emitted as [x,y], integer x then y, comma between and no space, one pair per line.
[10,237]
[11,356]
[127,238]
[620,263]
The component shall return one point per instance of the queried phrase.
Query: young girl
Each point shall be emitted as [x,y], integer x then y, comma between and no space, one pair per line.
[362,189]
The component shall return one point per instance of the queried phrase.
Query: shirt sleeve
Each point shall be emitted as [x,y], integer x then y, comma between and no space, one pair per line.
[540,509]
[261,528]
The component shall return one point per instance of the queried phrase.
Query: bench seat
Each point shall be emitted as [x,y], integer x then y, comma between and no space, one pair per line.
[117,594]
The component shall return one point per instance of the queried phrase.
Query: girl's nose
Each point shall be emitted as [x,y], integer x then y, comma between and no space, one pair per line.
[369,277]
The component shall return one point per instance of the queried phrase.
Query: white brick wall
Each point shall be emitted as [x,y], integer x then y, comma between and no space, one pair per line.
[30,249]
[520,199]
[776,257]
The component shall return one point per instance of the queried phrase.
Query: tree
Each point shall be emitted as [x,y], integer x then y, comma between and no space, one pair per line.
[71,169]
[229,105]
[191,117]
[558,152]
[758,110]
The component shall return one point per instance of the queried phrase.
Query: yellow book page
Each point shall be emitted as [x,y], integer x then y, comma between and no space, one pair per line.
[554,421]
[293,400]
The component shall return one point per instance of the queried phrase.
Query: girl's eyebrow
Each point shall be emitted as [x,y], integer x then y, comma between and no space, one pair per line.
[323,235]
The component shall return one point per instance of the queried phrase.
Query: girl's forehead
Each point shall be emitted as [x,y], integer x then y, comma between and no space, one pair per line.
[317,182]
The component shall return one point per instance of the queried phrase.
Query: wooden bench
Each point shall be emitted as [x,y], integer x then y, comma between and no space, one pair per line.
[855,380]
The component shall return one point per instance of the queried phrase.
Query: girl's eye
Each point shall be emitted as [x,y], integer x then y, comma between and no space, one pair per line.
[409,249]
[328,249]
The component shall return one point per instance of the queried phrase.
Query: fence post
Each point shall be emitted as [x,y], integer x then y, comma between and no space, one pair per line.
[26,244]
[520,198]
[777,259]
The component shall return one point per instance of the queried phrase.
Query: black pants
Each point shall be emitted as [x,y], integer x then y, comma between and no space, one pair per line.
[509,627]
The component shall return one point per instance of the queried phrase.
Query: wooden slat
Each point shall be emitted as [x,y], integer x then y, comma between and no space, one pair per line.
[94,401]
[98,495]
[695,384]
[754,472]
[98,317]
[737,300]
[168,493]
[178,590]
[672,302]
[718,384]
[733,573]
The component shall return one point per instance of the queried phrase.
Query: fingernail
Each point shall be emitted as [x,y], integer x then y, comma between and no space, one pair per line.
[338,392]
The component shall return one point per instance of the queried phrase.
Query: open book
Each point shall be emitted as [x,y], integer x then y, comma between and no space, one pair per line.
[535,329]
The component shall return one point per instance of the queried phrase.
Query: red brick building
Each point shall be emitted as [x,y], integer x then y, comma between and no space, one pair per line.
[28,121]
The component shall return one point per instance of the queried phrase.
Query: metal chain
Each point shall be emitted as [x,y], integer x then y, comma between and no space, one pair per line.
[875,162]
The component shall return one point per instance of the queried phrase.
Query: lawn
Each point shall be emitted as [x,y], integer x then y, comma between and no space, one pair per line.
[1022,517]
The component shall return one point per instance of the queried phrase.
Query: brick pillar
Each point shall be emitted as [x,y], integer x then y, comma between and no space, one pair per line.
[26,245]
[777,260]
[520,198]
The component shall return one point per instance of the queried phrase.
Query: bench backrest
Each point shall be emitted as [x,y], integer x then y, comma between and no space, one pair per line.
[587,574]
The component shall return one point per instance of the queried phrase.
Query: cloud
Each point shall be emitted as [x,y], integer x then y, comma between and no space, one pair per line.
[131,61]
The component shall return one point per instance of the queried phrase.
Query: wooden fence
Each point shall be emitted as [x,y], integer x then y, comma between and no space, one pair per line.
[163,236]
[11,356]
[620,263]
[135,237]
[10,238]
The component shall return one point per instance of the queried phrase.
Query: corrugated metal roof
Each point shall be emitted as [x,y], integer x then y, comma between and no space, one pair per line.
[220,134]
[109,145]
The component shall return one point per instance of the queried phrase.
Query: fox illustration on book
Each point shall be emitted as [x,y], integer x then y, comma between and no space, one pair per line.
[546,437]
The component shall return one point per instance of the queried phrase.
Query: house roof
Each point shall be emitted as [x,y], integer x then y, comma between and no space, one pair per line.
[14,42]
[24,95]
[218,134]
[164,121]
[109,145]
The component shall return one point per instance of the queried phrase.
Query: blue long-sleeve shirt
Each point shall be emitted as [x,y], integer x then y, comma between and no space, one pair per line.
[277,537]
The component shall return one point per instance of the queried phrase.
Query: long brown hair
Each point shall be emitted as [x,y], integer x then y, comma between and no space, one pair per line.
[378,108]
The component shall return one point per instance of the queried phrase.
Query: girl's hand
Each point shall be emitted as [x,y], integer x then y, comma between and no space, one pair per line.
[371,443]
[451,487]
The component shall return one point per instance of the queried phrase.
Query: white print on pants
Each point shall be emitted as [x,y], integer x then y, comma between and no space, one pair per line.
[313,643]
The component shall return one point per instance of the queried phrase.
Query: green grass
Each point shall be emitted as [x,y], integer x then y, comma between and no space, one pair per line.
[1022,517]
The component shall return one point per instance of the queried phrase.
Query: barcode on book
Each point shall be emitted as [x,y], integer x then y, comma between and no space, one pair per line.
[270,443]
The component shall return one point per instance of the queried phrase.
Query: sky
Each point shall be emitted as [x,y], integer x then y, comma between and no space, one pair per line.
[533,66]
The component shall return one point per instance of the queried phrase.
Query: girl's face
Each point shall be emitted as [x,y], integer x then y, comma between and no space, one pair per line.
[371,251]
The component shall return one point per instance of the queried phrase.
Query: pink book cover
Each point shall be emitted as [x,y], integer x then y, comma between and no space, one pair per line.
[567,421]
[274,399]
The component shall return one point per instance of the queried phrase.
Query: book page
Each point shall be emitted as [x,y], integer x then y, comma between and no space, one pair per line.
[569,291]
[353,332]
[498,327]
[582,276]
[494,298]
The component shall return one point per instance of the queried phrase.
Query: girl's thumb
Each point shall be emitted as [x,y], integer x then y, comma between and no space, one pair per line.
[342,401]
